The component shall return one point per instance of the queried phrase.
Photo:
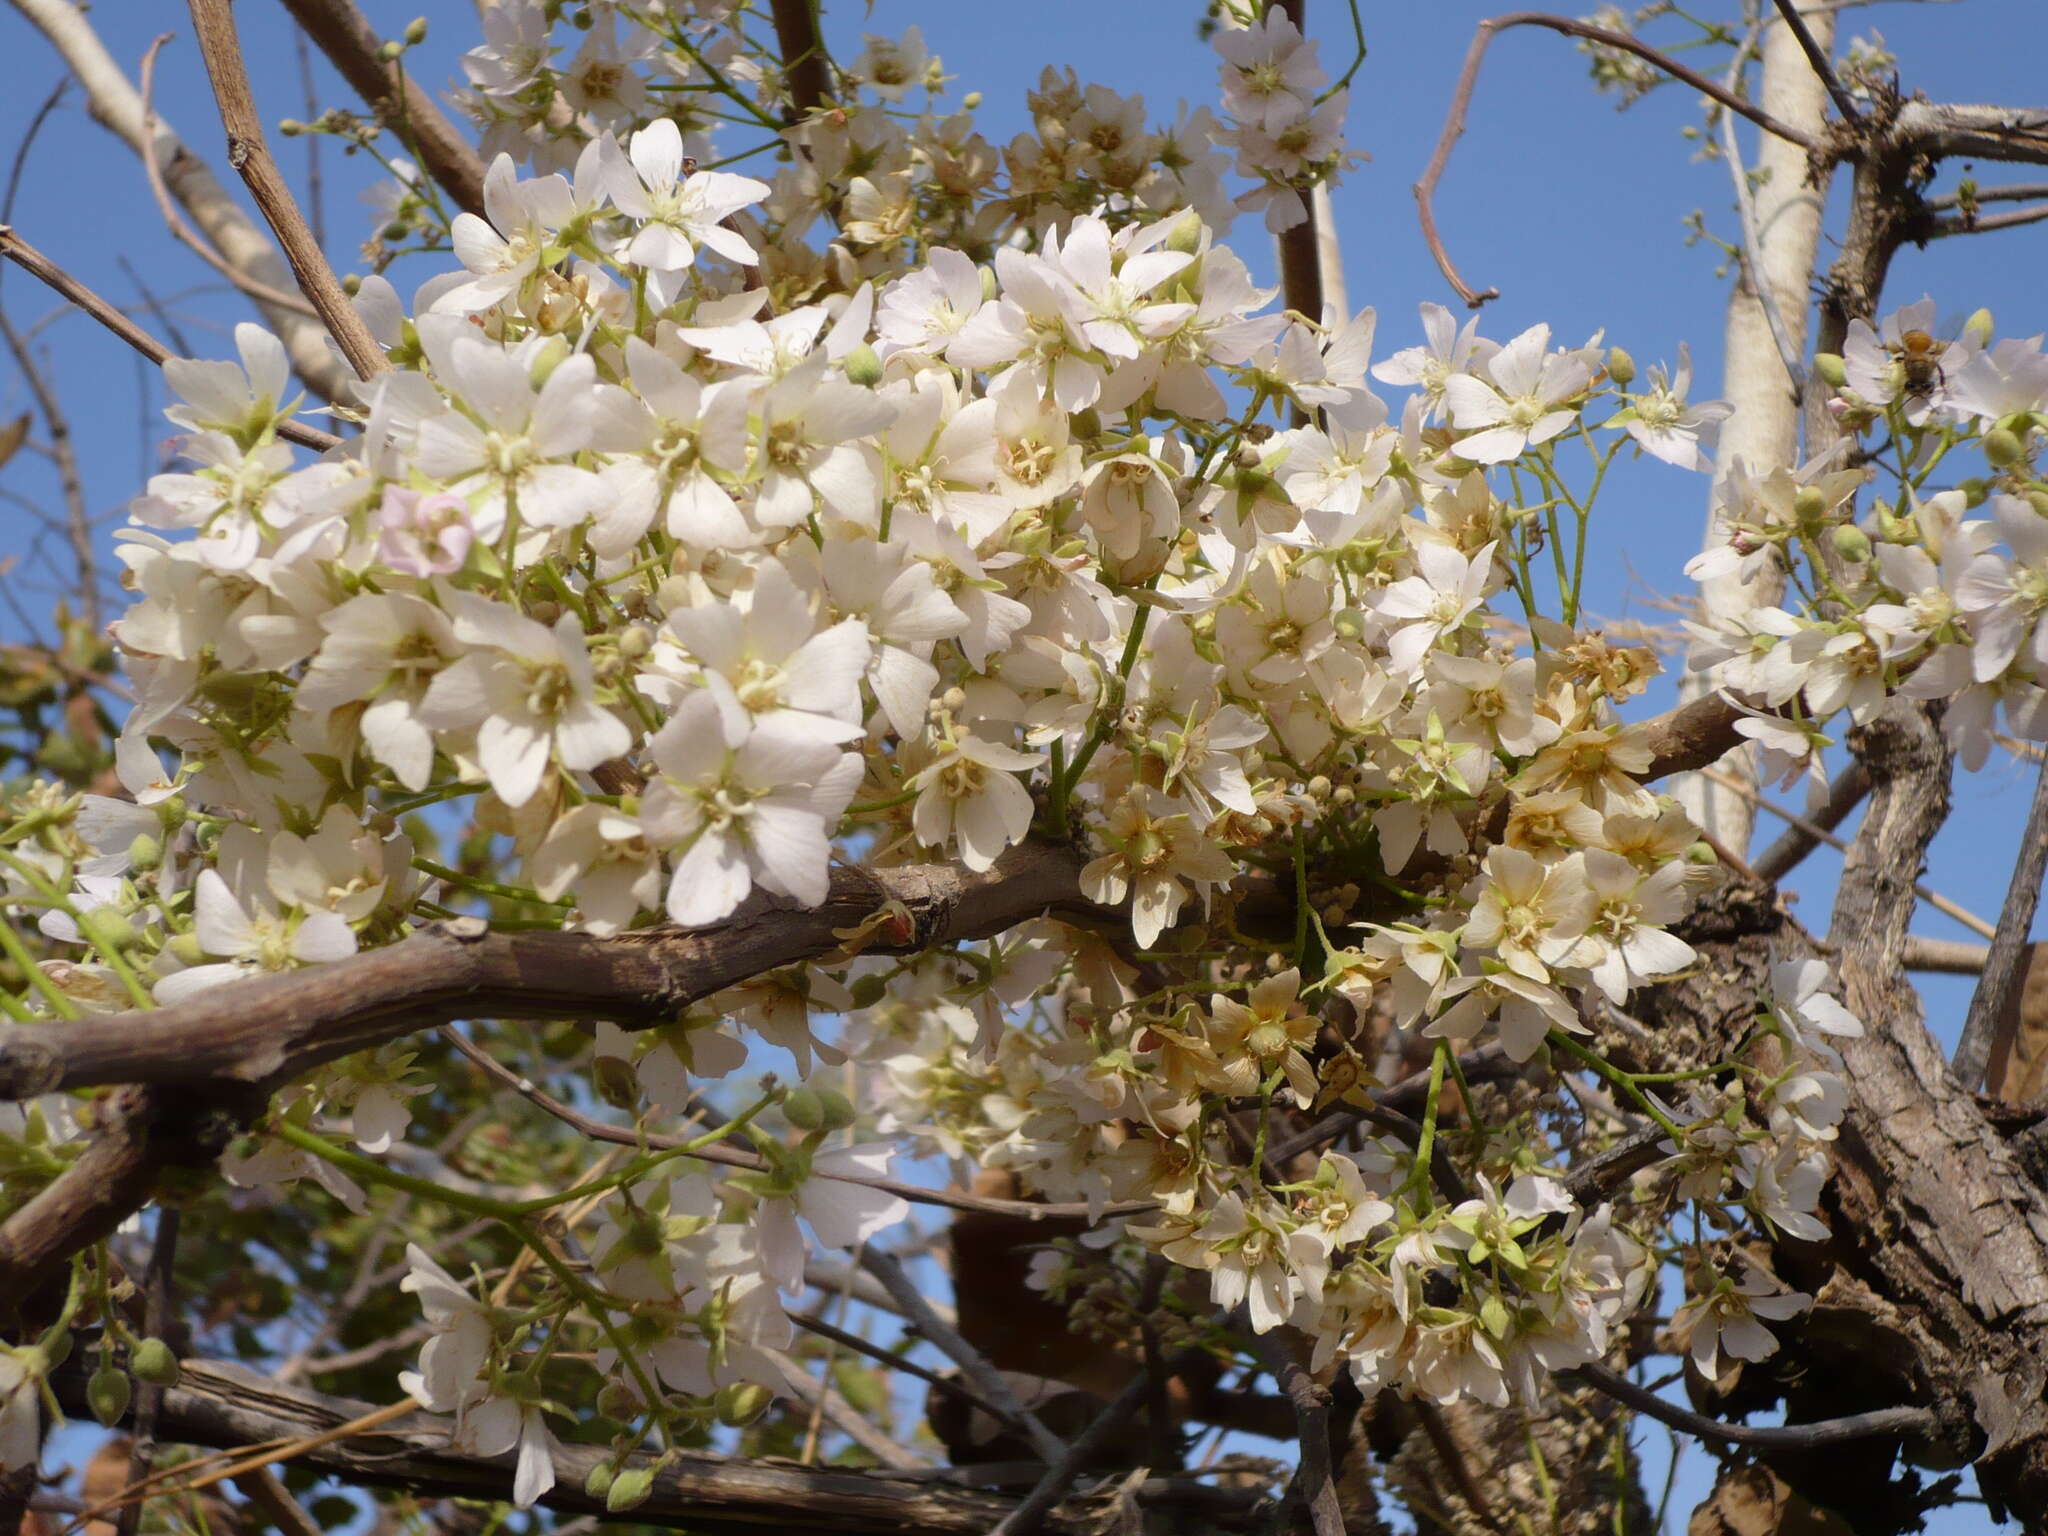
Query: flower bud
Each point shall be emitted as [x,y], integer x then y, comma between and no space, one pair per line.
[869,990]
[1808,505]
[988,284]
[629,1489]
[804,1109]
[552,354]
[2003,448]
[741,1402]
[971,100]
[837,1109]
[152,1361]
[863,366]
[1620,367]
[1829,366]
[392,51]
[416,32]
[291,127]
[616,1082]
[1086,424]
[598,1484]
[1852,543]
[636,642]
[1977,329]
[107,1394]
[2038,500]
[1701,853]
[1185,238]
[106,929]
[615,1400]
[1974,493]
[145,853]
[186,948]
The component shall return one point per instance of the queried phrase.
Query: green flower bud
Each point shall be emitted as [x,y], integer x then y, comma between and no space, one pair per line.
[615,1400]
[1185,237]
[552,354]
[1829,366]
[1852,543]
[1808,505]
[1977,329]
[2003,448]
[741,1402]
[1974,493]
[416,32]
[152,1361]
[107,1394]
[1700,853]
[636,642]
[598,1485]
[145,853]
[187,948]
[971,101]
[988,284]
[869,990]
[171,813]
[616,1082]
[106,929]
[863,367]
[2038,500]
[391,52]
[1620,367]
[804,1108]
[1086,424]
[837,1109]
[290,127]
[629,1489]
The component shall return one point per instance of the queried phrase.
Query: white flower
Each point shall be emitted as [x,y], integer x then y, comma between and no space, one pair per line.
[1724,1321]
[758,811]
[240,402]
[21,1385]
[1523,406]
[843,1214]
[254,936]
[1666,426]
[1421,609]
[676,212]
[968,792]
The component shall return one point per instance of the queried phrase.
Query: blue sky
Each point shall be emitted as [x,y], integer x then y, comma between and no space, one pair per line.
[1575,212]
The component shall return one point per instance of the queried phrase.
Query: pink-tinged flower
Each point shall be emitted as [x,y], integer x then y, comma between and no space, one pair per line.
[422,533]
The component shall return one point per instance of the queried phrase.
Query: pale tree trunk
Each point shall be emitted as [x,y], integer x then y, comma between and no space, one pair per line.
[1764,431]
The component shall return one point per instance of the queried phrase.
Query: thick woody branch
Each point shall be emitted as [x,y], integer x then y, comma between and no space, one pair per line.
[265,1031]
[116,105]
[215,1404]
[39,266]
[1468,79]
[1955,131]
[214,21]
[354,49]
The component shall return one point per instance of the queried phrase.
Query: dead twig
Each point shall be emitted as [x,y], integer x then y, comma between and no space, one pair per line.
[1468,78]
[2008,944]
[214,22]
[39,266]
[1822,66]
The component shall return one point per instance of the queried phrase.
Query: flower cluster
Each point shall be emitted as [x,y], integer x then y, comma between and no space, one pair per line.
[675,561]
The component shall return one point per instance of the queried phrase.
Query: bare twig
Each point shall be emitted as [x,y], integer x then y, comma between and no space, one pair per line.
[116,105]
[1815,56]
[806,69]
[2008,943]
[841,1414]
[1933,898]
[1845,792]
[269,1495]
[39,266]
[182,232]
[1879,1423]
[949,1385]
[2016,192]
[1315,1483]
[354,49]
[1027,1518]
[1468,78]
[973,1364]
[1950,957]
[316,201]
[2015,218]
[214,22]
[77,520]
[1301,263]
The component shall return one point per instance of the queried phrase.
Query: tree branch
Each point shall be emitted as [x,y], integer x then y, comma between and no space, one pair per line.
[115,104]
[1817,57]
[353,48]
[1315,1484]
[1845,792]
[214,21]
[1878,1423]
[805,68]
[2008,943]
[1468,78]
[40,267]
[215,1404]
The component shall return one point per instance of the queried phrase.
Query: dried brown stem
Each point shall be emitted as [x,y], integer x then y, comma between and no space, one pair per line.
[1468,79]
[39,266]
[149,1397]
[949,1341]
[354,49]
[214,22]
[182,232]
